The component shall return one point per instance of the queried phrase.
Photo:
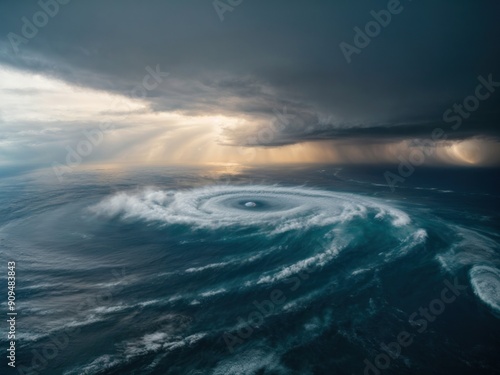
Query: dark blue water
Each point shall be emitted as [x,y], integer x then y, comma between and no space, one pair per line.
[299,270]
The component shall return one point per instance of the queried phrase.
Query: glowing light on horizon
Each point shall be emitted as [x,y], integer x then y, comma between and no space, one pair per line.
[38,109]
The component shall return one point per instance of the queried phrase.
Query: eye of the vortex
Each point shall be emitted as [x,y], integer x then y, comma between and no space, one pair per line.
[250,204]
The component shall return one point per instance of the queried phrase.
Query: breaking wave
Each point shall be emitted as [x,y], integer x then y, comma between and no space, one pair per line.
[285,208]
[486,284]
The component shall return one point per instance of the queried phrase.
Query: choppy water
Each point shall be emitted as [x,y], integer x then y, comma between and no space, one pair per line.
[311,271]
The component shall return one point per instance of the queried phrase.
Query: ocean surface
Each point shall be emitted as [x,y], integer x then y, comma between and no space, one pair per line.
[259,271]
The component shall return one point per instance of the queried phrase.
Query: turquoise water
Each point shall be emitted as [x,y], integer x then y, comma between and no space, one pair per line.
[309,270]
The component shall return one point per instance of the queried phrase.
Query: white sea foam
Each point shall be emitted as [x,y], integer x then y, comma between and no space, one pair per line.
[159,341]
[486,284]
[250,362]
[409,243]
[91,319]
[360,271]
[213,292]
[284,208]
[96,366]
[250,259]
[208,267]
[277,210]
[471,249]
[149,343]
[29,336]
[110,309]
[317,260]
[150,302]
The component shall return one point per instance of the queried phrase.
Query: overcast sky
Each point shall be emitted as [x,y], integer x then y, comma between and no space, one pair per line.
[253,82]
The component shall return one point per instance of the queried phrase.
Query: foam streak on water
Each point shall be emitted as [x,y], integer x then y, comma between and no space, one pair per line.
[486,283]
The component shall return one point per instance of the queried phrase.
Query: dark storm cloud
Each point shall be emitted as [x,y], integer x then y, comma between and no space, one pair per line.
[266,56]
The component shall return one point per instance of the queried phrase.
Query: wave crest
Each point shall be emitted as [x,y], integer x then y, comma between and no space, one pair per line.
[284,208]
[486,285]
